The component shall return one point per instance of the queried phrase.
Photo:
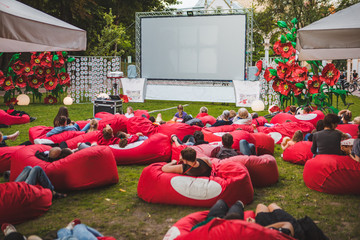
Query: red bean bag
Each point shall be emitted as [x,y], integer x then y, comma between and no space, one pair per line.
[207,120]
[298,153]
[140,124]
[89,168]
[8,119]
[332,174]
[264,143]
[312,117]
[87,137]
[140,113]
[156,148]
[214,134]
[104,115]
[287,129]
[221,229]
[5,157]
[39,132]
[263,169]
[180,129]
[351,129]
[259,121]
[230,181]
[20,201]
[118,122]
[281,118]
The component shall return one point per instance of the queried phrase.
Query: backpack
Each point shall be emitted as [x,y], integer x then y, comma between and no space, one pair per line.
[311,230]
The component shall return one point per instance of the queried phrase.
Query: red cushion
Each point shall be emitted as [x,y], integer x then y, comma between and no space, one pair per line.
[5,157]
[104,115]
[214,134]
[263,169]
[264,143]
[278,132]
[312,117]
[241,135]
[207,119]
[156,148]
[140,124]
[221,229]
[8,119]
[333,174]
[39,132]
[155,186]
[118,122]
[87,137]
[139,113]
[89,168]
[298,153]
[259,121]
[281,118]
[20,201]
[180,129]
[351,129]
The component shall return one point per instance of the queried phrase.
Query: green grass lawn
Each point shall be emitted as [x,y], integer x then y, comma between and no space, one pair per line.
[117,211]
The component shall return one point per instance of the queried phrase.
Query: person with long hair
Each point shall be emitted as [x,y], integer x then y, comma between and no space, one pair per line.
[63,111]
[287,142]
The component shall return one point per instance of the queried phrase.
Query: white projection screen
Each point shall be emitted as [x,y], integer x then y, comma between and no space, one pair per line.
[206,47]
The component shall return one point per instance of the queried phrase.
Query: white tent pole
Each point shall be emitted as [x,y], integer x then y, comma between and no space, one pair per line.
[348,70]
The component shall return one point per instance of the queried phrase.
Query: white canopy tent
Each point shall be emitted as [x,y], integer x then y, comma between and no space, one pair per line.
[334,37]
[25,29]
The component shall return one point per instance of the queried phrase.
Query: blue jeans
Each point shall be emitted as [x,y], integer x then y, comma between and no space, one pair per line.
[247,148]
[5,138]
[84,129]
[33,176]
[80,232]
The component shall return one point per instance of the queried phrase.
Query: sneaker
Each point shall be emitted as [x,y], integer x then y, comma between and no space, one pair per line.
[32,119]
[7,228]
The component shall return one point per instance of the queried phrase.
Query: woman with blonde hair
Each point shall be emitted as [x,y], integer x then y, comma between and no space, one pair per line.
[287,142]
[243,117]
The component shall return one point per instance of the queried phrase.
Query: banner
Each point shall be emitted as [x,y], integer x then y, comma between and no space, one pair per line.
[246,92]
[133,88]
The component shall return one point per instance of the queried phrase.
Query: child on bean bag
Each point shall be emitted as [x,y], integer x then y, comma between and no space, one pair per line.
[287,142]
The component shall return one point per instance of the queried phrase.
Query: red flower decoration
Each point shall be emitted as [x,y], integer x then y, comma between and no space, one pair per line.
[314,84]
[330,74]
[8,84]
[12,101]
[40,72]
[276,84]
[50,83]
[27,70]
[267,75]
[60,62]
[285,88]
[35,60]
[274,108]
[18,67]
[21,81]
[277,49]
[50,100]
[2,78]
[35,82]
[46,59]
[283,70]
[297,91]
[259,66]
[299,74]
[286,50]
[49,72]
[124,98]
[64,78]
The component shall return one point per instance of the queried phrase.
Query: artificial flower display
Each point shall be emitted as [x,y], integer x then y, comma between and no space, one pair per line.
[50,83]
[21,81]
[330,74]
[8,84]
[64,78]
[50,100]
[35,82]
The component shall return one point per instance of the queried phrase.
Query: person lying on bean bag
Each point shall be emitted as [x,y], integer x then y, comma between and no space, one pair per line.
[287,142]
[226,150]
[106,137]
[3,137]
[190,140]
[11,111]
[191,165]
[54,154]
[126,138]
[64,127]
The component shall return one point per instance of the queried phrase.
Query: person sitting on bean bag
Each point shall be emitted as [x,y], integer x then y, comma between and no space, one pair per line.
[191,166]
[223,119]
[190,140]
[71,127]
[347,145]
[243,117]
[53,154]
[12,137]
[355,152]
[129,112]
[328,140]
[181,114]
[345,116]
[106,137]
[63,111]
[287,142]
[319,126]
[11,111]
[203,112]
[36,175]
[126,138]
[292,110]
[226,151]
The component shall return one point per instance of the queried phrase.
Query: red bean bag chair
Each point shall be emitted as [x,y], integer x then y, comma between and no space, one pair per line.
[104,115]
[140,124]
[5,157]
[351,129]
[312,117]
[281,118]
[180,129]
[8,119]
[118,122]
[263,169]
[230,181]
[298,153]
[87,137]
[156,148]
[287,129]
[332,174]
[214,134]
[259,121]
[140,113]
[20,201]
[264,143]
[39,132]
[221,229]
[89,168]
[207,119]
